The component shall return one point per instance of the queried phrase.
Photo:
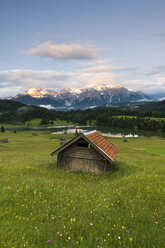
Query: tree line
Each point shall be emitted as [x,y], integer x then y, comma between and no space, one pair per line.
[136,123]
[103,117]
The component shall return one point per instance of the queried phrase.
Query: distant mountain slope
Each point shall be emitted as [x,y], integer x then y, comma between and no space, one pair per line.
[13,111]
[6,105]
[67,99]
[152,107]
[29,100]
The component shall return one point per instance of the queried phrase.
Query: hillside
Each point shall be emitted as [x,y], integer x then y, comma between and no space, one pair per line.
[6,105]
[13,112]
[152,107]
[141,107]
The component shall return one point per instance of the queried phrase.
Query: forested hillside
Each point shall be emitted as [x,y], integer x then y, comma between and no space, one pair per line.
[13,112]
[144,118]
[153,107]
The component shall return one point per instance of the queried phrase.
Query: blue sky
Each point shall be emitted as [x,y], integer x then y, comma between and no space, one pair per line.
[58,44]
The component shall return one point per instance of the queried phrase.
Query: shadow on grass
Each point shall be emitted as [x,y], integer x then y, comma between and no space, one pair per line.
[117,170]
[51,165]
[121,169]
[115,166]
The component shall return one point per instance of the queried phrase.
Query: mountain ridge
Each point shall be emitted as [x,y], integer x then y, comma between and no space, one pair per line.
[67,99]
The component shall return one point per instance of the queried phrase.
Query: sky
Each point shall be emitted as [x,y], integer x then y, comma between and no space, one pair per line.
[56,44]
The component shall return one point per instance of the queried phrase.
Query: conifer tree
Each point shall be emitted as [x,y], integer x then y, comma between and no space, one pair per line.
[2,129]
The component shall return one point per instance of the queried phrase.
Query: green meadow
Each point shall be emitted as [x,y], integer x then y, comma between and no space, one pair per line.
[151,118]
[57,122]
[44,206]
[36,122]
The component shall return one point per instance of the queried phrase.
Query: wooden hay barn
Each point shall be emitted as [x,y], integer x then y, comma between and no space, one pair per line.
[89,152]
[4,140]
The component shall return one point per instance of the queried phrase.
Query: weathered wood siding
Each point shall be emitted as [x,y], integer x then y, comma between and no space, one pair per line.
[80,158]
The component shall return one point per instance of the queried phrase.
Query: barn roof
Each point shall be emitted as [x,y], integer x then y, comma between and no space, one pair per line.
[97,140]
[102,143]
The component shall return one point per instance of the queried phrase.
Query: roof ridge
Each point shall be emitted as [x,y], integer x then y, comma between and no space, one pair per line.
[90,132]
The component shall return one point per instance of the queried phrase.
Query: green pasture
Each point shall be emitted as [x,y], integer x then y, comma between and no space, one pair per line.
[44,206]
[131,117]
[37,122]
[57,122]
[123,116]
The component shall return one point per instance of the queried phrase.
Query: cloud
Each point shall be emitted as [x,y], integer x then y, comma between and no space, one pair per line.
[155,86]
[89,77]
[27,78]
[9,91]
[108,68]
[15,81]
[157,70]
[64,51]
[48,106]
[19,80]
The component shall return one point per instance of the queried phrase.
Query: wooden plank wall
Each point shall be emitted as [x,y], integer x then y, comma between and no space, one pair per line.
[82,159]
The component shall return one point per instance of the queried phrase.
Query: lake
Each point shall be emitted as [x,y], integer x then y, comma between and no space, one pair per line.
[107,131]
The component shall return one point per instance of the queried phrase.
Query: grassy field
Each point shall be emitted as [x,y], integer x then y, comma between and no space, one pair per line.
[151,118]
[43,206]
[57,122]
[36,122]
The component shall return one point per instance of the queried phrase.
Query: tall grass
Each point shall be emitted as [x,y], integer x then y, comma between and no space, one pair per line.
[45,206]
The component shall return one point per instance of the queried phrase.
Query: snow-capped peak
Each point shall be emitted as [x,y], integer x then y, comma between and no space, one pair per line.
[97,95]
[101,87]
[34,91]
[73,91]
[39,92]
[76,91]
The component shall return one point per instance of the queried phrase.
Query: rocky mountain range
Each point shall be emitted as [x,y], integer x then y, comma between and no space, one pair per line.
[67,99]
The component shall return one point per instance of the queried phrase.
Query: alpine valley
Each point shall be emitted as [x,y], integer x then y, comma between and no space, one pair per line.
[68,99]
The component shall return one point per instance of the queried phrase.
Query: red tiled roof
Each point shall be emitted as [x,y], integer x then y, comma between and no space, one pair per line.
[97,140]
[102,143]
